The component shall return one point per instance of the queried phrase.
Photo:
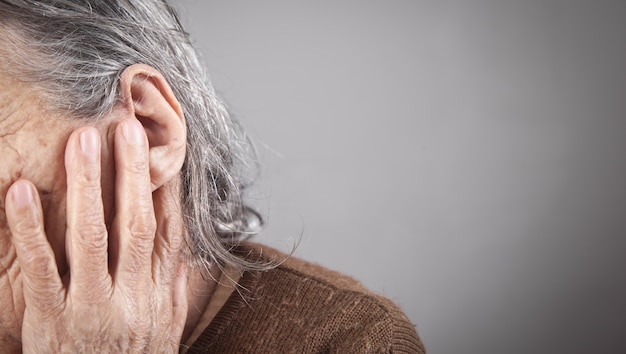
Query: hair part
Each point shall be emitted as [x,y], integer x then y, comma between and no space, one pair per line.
[73,53]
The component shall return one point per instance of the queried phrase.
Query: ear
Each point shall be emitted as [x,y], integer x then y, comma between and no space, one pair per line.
[149,97]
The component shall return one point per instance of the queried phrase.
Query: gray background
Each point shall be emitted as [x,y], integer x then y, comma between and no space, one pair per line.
[467,159]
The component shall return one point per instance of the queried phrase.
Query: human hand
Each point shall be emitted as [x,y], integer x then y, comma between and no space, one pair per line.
[132,300]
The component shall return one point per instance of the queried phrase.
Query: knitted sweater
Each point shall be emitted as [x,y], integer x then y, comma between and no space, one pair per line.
[299,307]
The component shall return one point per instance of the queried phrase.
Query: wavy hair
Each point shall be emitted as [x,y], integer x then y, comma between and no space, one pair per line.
[73,52]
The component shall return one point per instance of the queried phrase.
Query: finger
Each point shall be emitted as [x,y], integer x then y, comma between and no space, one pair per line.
[135,221]
[86,239]
[43,288]
[169,235]
[179,306]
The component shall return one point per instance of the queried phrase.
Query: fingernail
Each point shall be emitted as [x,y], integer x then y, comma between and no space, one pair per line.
[22,194]
[89,142]
[133,132]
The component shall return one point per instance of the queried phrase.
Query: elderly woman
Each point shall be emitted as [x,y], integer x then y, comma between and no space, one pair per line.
[124,211]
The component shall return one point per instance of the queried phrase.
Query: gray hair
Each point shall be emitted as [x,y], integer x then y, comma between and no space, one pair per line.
[74,51]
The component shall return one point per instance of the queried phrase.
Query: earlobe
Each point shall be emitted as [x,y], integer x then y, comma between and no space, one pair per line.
[149,97]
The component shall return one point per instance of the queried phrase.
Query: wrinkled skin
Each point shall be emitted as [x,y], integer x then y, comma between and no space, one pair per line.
[74,296]
[12,299]
[133,308]
[26,150]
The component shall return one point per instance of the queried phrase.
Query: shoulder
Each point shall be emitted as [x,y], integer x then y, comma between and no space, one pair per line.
[298,306]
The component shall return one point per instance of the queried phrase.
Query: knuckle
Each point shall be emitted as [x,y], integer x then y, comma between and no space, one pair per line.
[166,248]
[37,269]
[139,166]
[142,227]
[36,261]
[28,227]
[92,235]
[89,175]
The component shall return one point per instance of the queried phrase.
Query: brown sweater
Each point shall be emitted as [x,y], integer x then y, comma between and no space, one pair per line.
[299,307]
